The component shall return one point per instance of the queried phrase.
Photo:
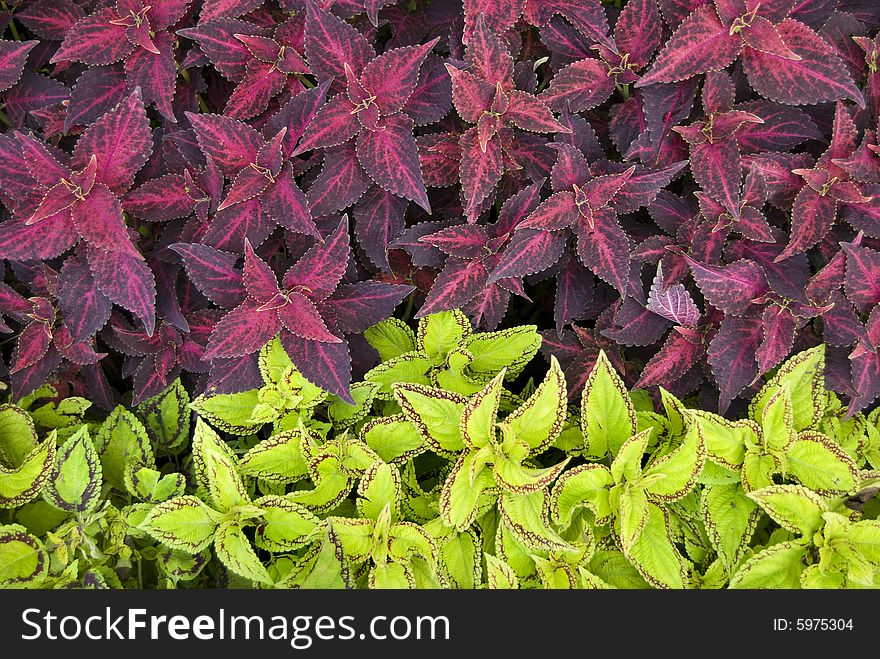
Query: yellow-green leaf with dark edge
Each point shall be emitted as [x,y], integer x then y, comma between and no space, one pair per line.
[793,507]
[407,540]
[585,486]
[74,483]
[655,556]
[278,459]
[525,515]
[122,441]
[18,437]
[499,575]
[216,469]
[379,486]
[818,463]
[778,566]
[633,509]
[509,349]
[777,420]
[345,415]
[435,413]
[627,464]
[355,537]
[184,523]
[410,367]
[323,566]
[394,438]
[23,560]
[235,552]
[23,483]
[608,417]
[805,375]
[517,479]
[460,558]
[460,493]
[675,474]
[439,333]
[391,576]
[166,418]
[613,568]
[285,525]
[730,518]
[758,470]
[332,484]
[480,414]
[539,420]
[229,412]
[391,338]
[725,440]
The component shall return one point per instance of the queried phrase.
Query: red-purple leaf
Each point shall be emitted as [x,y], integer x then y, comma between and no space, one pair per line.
[230,143]
[217,40]
[259,280]
[359,306]
[730,288]
[784,127]
[812,216]
[529,251]
[574,291]
[378,221]
[32,345]
[675,358]
[242,331]
[716,168]
[49,19]
[457,283]
[465,241]
[642,185]
[232,225]
[95,40]
[393,75]
[212,9]
[98,219]
[296,115]
[672,302]
[155,74]
[213,272]
[529,113]
[301,318]
[862,281]
[638,31]
[471,95]
[605,249]
[780,326]
[341,183]
[96,91]
[13,55]
[487,55]
[583,85]
[127,280]
[327,365]
[285,203]
[46,239]
[319,271]
[636,325]
[161,199]
[261,83]
[331,43]
[431,99]
[732,356]
[840,324]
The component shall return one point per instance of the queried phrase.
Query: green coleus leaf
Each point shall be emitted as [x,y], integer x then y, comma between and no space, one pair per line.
[273,361]
[516,554]
[345,415]
[183,523]
[633,509]
[480,414]
[166,418]
[406,540]
[235,552]
[777,420]
[332,483]
[380,486]
[608,417]
[439,333]
[538,421]
[230,412]
[122,441]
[460,558]
[324,565]
[23,560]
[584,486]
[517,479]
[654,555]
[725,440]
[778,566]
[804,377]
[864,538]
[526,516]
[74,483]
[819,464]
[391,576]
[64,415]
[18,437]
[24,481]
[730,517]
[461,491]
[435,413]
[499,575]
[182,566]
[675,474]
[411,367]
[613,568]
[814,578]
[627,464]
[758,470]
[557,576]
[391,338]
[216,469]
[356,537]
[793,507]
[675,412]
[590,581]
[148,484]
[394,438]
[509,349]
[278,459]
[285,525]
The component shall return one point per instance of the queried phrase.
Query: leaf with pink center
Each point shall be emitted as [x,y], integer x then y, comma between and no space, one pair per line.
[359,306]
[840,324]
[730,288]
[46,239]
[393,75]
[212,9]
[95,40]
[570,168]
[318,272]
[287,205]
[780,326]
[378,221]
[49,19]
[636,325]
[261,83]
[296,115]
[588,16]
[216,39]
[583,85]
[732,356]
[213,273]
[126,279]
[819,75]
[13,55]
[638,31]
[247,184]
[465,241]
[529,251]
[605,248]
[679,353]
[160,199]
[641,187]
[574,291]
[431,99]
[341,183]
[862,280]
[700,44]
[231,144]
[259,279]
[784,127]
[812,216]
[155,74]
[327,365]
[32,345]
[529,113]
[716,169]
[99,220]
[470,95]
[488,57]
[762,36]
[301,318]
[242,331]
[672,302]
[232,225]
[331,43]
[458,282]
[335,123]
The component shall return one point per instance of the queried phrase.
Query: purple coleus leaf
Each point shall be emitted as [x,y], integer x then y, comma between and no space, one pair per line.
[862,280]
[730,288]
[673,302]
[13,55]
[681,351]
[731,354]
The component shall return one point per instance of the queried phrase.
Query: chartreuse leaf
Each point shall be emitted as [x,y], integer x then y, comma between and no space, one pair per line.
[324,565]
[74,483]
[235,551]
[675,474]
[461,491]
[730,517]
[633,509]
[278,459]
[409,367]
[614,569]
[394,438]
[675,412]
[23,560]
[627,464]
[166,418]
[435,413]
[148,484]
[499,575]
[25,480]
[509,349]
[653,554]
[332,483]
[793,507]
[778,566]
[439,333]
[725,440]
[864,538]
[407,540]
[345,415]
[273,361]
[758,470]
[584,486]
[608,418]
[184,523]
[803,375]
[356,537]
[480,413]
[284,525]
[379,487]
[816,462]
[539,420]
[230,412]
[18,437]
[391,576]
[459,555]
[122,441]
[391,338]
[517,479]
[525,515]
[216,469]
[777,420]
[64,415]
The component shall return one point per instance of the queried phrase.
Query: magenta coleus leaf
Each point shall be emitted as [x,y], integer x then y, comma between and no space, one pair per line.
[213,272]
[862,280]
[679,353]
[730,288]
[13,55]
[731,354]
[673,302]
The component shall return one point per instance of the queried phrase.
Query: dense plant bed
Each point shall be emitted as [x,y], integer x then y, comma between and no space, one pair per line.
[444,473]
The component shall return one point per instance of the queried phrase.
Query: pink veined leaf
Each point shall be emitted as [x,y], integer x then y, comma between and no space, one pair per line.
[588,16]
[672,302]
[479,170]
[378,221]
[862,281]
[95,40]
[217,41]
[812,216]
[331,43]
[458,282]
[829,279]
[122,142]
[641,186]
[570,168]
[488,57]
[556,212]
[865,368]
[390,158]
[213,273]
[780,326]
[233,375]
[470,95]
[161,199]
[700,44]
[259,279]
[212,9]
[605,249]
[261,83]
[529,113]
[600,190]
[732,356]
[518,207]
[638,31]
[126,279]
[335,123]
[439,156]
[359,306]
[583,85]
[719,92]
[97,91]
[242,331]
[636,325]
[665,105]
[840,324]
[843,140]
[247,184]
[784,127]
[327,365]
[285,203]
[865,217]
[676,357]
[13,55]
[49,19]
[465,241]
[581,134]
[730,288]
[863,165]
[819,75]
[318,272]
[301,318]
[341,183]
[574,291]
[431,99]
[46,239]
[32,345]
[232,225]
[491,15]
[675,11]
[33,92]
[80,353]
[716,169]
[762,36]
[488,307]
[232,144]
[393,75]
[529,251]
[98,219]
[296,115]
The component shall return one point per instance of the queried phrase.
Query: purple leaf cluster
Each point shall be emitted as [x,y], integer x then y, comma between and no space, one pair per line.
[692,187]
